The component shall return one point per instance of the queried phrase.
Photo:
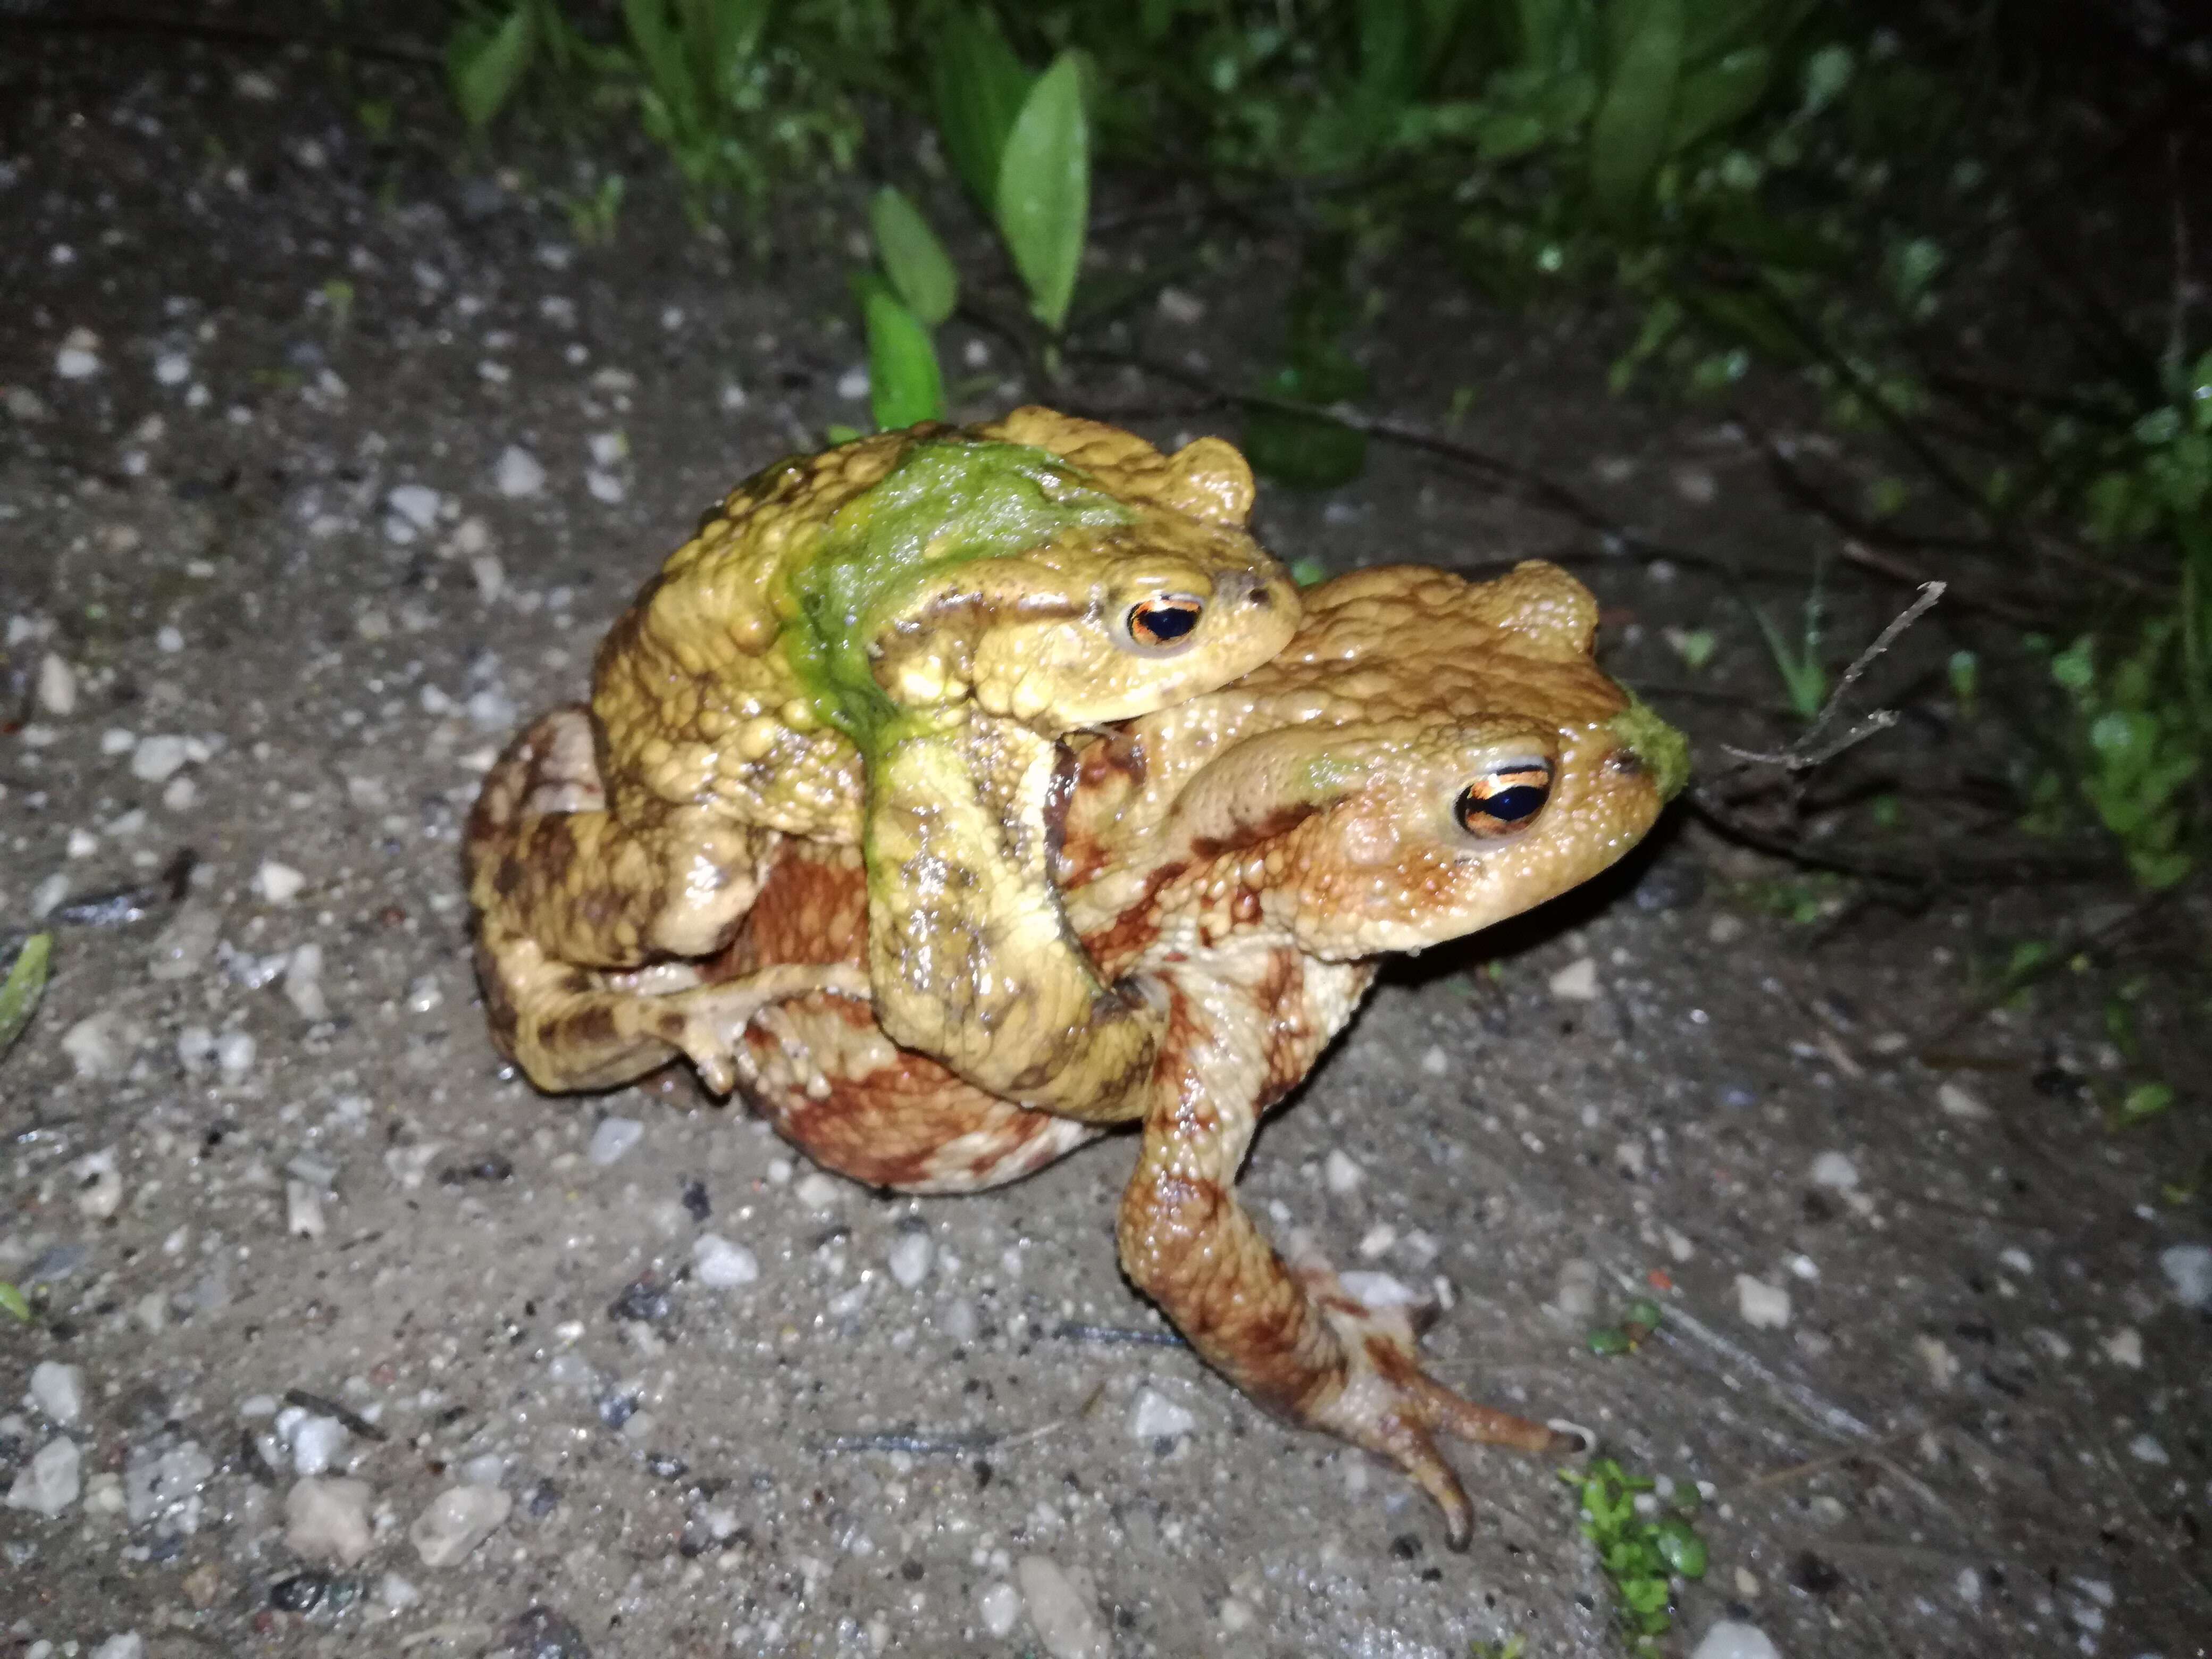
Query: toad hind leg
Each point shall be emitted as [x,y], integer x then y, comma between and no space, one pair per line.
[574,1029]
[972,961]
[547,860]
[1293,1340]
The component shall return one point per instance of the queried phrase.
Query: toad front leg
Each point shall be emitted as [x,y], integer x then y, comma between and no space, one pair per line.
[972,962]
[1292,1340]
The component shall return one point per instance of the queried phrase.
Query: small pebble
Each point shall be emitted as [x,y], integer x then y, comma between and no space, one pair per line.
[1436,1062]
[1957,1103]
[417,504]
[327,1520]
[1764,1306]
[57,685]
[2124,1347]
[303,983]
[1577,981]
[303,1217]
[1730,1640]
[185,942]
[49,1482]
[518,472]
[2145,1448]
[156,759]
[234,1053]
[816,1191]
[613,1138]
[1341,1173]
[2188,1270]
[909,1258]
[279,883]
[79,357]
[1576,1296]
[129,1645]
[1069,1629]
[1834,1169]
[1158,1417]
[720,1265]
[1001,1605]
[57,1390]
[458,1520]
[396,1593]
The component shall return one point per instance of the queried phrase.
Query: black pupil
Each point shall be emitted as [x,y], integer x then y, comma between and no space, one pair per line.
[1508,805]
[1161,624]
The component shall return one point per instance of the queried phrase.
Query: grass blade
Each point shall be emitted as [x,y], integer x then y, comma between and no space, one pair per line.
[25,985]
[1628,137]
[912,258]
[905,384]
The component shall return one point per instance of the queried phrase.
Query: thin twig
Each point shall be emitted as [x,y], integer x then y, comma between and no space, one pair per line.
[1810,750]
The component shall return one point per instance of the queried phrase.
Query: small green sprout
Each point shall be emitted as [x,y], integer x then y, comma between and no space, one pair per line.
[1640,1555]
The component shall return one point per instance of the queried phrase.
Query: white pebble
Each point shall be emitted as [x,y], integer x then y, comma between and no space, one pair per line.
[1730,1640]
[50,1483]
[180,795]
[57,685]
[303,1218]
[816,1191]
[1836,1170]
[328,1520]
[1576,1296]
[519,473]
[608,448]
[1379,1291]
[99,1045]
[157,758]
[2124,1347]
[1577,981]
[1001,1605]
[613,1138]
[852,384]
[2145,1448]
[720,1265]
[1377,1241]
[187,940]
[1069,1629]
[909,1258]
[234,1053]
[2188,1270]
[604,487]
[1436,1062]
[118,740]
[1341,1173]
[416,503]
[1155,1417]
[1764,1306]
[1957,1103]
[79,357]
[100,1188]
[172,368]
[280,884]
[396,1593]
[57,1390]
[458,1520]
[303,983]
[316,1441]
[129,1645]
[488,574]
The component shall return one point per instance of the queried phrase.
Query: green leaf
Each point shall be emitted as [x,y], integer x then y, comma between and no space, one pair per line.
[912,258]
[483,67]
[11,1300]
[2145,1100]
[1628,137]
[905,384]
[1679,1547]
[25,985]
[1717,96]
[1044,188]
[722,36]
[979,86]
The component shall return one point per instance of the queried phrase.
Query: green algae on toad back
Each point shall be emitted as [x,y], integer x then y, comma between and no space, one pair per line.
[893,669]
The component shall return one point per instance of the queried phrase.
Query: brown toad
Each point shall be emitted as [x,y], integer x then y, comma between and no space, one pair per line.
[880,646]
[1428,757]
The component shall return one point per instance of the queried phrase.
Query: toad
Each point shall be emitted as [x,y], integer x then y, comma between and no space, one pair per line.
[1429,756]
[881,646]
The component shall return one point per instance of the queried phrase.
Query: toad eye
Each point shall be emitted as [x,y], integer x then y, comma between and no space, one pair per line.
[1501,801]
[1163,625]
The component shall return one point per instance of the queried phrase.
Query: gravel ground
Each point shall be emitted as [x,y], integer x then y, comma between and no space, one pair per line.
[323,463]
